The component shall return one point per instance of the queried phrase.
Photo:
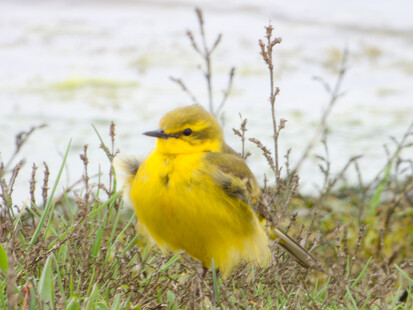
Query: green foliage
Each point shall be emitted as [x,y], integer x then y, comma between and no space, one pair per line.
[48,210]
[215,283]
[46,284]
[4,265]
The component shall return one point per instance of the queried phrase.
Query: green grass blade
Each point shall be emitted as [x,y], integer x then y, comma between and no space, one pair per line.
[130,244]
[97,242]
[116,302]
[404,274]
[376,198]
[4,265]
[349,295]
[73,304]
[145,253]
[107,152]
[215,280]
[362,273]
[49,201]
[171,298]
[46,283]
[114,226]
[91,281]
[111,245]
[170,262]
[94,295]
[33,304]
[32,213]
[110,201]
[18,219]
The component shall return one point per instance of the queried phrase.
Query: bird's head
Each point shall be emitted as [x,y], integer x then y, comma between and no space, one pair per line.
[190,129]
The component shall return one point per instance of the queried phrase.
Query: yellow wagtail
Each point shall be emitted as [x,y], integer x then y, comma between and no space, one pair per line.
[194,193]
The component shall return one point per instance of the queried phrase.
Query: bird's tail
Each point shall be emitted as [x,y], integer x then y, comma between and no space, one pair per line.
[297,251]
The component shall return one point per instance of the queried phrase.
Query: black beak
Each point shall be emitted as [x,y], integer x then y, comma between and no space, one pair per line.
[157,134]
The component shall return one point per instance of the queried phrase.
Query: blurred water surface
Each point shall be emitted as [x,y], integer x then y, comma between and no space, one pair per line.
[71,64]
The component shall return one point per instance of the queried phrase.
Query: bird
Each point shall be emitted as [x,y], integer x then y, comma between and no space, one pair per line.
[195,193]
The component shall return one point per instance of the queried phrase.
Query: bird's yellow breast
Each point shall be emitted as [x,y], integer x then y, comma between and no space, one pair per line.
[181,208]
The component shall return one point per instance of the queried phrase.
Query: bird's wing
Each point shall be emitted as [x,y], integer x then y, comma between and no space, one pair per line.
[229,150]
[231,173]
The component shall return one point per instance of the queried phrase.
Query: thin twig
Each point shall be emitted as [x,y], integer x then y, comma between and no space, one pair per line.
[226,91]
[266,53]
[206,51]
[399,146]
[21,139]
[185,89]
[335,93]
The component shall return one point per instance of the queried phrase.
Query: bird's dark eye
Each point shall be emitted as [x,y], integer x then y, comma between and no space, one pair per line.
[187,132]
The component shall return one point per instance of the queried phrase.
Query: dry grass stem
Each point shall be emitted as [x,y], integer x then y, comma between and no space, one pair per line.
[335,93]
[206,51]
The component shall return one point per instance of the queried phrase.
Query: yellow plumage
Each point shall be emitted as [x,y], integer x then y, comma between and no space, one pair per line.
[194,193]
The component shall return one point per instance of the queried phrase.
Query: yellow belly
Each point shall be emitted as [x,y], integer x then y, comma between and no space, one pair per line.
[180,207]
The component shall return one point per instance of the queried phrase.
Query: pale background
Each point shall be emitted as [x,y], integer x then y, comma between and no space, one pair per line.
[71,64]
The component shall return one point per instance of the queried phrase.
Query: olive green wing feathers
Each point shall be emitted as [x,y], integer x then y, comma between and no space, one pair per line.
[231,173]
